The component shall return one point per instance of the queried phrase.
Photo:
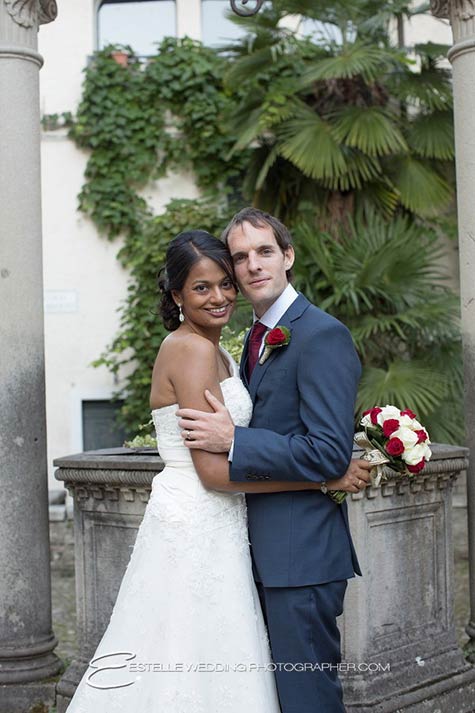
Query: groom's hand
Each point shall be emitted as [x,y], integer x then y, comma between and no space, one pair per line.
[212,432]
[355,479]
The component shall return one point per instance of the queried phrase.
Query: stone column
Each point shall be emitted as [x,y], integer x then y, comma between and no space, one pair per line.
[462,56]
[26,637]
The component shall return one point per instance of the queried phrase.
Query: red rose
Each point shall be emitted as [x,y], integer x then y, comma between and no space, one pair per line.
[389,426]
[394,447]
[374,415]
[275,336]
[365,413]
[421,436]
[408,412]
[416,468]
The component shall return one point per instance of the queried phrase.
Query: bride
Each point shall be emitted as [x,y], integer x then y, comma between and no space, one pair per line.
[186,634]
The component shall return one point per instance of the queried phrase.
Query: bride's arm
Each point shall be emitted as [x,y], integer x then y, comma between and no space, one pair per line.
[194,370]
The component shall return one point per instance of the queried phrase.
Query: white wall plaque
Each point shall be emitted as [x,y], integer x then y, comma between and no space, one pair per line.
[60,301]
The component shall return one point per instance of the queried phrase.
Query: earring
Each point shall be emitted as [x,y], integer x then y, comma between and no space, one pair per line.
[181,316]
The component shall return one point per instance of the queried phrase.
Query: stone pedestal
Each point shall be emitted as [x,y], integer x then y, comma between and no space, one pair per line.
[398,617]
[26,637]
[398,633]
[110,489]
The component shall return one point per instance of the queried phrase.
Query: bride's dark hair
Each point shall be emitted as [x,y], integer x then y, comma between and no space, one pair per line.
[184,251]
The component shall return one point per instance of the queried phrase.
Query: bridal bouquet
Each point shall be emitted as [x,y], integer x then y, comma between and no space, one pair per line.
[394,438]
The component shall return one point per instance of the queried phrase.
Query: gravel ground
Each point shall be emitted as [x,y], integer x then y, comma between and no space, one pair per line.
[63,589]
[64,600]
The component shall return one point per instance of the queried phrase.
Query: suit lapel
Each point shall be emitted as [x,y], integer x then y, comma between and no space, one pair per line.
[244,359]
[295,310]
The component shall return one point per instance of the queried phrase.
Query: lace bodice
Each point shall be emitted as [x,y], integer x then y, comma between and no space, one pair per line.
[169,440]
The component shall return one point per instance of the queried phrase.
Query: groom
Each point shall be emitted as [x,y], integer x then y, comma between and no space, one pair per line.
[301,429]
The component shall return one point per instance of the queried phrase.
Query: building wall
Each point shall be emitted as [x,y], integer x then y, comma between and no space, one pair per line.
[84,283]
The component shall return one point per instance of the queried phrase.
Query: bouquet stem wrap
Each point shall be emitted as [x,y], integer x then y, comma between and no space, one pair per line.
[373,456]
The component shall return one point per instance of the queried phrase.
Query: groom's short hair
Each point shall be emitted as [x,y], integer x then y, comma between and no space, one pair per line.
[260,219]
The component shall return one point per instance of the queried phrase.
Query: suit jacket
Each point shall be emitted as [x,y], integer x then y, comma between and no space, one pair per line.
[302,430]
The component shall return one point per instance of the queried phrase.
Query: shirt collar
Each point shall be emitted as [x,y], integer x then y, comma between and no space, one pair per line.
[271,317]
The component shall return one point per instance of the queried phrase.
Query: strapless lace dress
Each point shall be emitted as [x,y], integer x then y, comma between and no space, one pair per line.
[186,634]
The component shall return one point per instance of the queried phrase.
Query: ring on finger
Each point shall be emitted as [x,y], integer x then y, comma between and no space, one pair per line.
[187,435]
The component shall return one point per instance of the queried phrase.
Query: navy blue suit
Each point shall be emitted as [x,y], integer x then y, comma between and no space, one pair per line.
[302,430]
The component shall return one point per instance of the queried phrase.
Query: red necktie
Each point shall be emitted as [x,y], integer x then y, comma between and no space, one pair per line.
[255,339]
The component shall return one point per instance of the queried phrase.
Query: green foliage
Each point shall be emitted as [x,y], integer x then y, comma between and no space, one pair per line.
[233,342]
[146,441]
[141,332]
[314,130]
[140,121]
[384,281]
[52,122]
[358,116]
[123,132]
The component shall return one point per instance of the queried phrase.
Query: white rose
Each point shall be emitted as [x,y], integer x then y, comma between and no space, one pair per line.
[388,412]
[410,422]
[414,455]
[407,436]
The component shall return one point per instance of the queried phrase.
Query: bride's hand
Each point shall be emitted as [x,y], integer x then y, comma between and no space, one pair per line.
[212,432]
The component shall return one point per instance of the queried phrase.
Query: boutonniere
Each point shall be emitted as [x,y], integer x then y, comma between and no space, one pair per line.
[277,337]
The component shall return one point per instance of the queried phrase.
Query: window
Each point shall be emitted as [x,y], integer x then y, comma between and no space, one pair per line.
[142,24]
[99,427]
[322,32]
[216,27]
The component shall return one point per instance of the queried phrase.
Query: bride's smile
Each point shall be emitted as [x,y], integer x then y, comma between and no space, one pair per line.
[208,296]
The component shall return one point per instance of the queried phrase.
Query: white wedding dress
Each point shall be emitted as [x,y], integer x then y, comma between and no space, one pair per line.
[186,634]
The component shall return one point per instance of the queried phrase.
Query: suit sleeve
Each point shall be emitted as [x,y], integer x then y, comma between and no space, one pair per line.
[328,372]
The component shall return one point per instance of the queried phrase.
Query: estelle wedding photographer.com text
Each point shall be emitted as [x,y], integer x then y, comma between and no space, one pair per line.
[120,665]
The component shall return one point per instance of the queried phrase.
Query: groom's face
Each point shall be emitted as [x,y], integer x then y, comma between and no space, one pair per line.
[260,264]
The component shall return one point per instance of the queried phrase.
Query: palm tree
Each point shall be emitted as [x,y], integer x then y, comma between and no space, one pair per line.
[384,281]
[344,118]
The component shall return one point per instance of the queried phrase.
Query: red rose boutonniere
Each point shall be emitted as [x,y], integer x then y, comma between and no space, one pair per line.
[277,337]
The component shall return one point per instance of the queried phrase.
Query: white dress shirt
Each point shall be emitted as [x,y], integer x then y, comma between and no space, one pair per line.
[270,319]
[276,311]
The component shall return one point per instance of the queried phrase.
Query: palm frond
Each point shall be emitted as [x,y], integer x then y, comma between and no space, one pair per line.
[375,267]
[248,66]
[266,166]
[432,135]
[404,384]
[307,140]
[432,50]
[407,324]
[378,195]
[421,189]
[369,129]
[360,169]
[429,89]
[358,59]
[247,127]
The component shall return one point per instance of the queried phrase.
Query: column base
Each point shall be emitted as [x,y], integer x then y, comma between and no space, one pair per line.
[23,668]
